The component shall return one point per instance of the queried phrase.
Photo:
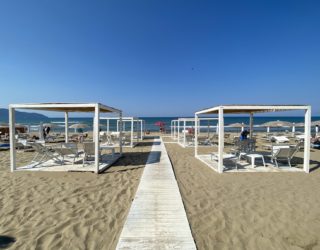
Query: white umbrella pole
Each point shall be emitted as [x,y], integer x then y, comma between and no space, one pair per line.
[317,130]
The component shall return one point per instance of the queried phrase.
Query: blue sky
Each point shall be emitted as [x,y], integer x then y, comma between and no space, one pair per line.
[160,58]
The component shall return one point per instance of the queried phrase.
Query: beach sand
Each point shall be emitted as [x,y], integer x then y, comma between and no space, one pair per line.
[50,210]
[249,210]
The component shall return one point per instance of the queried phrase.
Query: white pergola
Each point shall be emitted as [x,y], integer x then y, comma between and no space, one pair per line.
[251,110]
[136,126]
[182,123]
[96,108]
[174,129]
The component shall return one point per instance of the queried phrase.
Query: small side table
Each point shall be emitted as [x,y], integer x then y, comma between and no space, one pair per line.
[253,157]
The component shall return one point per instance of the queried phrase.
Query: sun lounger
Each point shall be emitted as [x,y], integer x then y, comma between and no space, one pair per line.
[226,157]
[279,139]
[283,153]
[44,154]
[89,152]
[69,150]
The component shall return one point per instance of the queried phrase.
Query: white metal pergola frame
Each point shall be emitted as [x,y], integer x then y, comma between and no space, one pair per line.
[174,129]
[251,109]
[132,121]
[96,108]
[184,126]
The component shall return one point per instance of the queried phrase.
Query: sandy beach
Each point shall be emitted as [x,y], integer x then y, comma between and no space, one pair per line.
[60,210]
[249,210]
[51,210]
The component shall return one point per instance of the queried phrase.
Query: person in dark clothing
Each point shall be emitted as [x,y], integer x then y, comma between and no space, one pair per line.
[44,133]
[47,131]
[244,135]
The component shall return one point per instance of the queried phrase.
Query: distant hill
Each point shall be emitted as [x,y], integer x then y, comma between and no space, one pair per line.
[22,116]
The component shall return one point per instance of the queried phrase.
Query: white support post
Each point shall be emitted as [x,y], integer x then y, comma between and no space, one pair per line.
[132,123]
[120,134]
[96,137]
[66,127]
[117,125]
[196,136]
[251,125]
[108,124]
[141,135]
[12,132]
[221,140]
[184,133]
[307,132]
[175,130]
[178,131]
[293,129]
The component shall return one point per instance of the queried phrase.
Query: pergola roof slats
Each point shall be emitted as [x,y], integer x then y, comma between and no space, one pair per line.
[240,109]
[66,107]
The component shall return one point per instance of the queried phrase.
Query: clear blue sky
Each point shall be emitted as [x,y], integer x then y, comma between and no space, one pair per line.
[160,58]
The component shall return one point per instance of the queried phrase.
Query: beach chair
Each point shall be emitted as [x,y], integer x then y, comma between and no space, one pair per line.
[69,150]
[283,154]
[89,152]
[44,154]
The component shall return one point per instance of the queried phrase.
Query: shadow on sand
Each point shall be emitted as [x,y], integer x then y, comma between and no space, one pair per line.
[6,241]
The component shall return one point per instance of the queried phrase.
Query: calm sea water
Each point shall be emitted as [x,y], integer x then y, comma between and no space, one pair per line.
[150,122]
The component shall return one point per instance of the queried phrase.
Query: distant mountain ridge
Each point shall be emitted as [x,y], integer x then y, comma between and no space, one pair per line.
[22,116]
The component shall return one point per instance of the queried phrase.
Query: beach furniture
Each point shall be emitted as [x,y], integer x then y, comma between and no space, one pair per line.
[279,139]
[133,129]
[186,129]
[221,111]
[57,156]
[89,152]
[253,157]
[226,157]
[69,150]
[44,154]
[282,154]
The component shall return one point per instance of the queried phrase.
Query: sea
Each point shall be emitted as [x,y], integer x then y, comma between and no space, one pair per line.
[150,123]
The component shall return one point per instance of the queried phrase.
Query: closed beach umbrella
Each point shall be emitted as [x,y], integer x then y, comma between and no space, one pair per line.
[276,124]
[317,124]
[78,126]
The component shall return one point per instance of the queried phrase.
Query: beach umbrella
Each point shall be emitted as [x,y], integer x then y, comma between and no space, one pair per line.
[317,124]
[78,126]
[276,124]
[300,124]
[160,124]
[238,125]
[50,125]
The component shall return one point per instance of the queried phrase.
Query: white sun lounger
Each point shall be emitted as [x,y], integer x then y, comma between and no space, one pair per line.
[279,139]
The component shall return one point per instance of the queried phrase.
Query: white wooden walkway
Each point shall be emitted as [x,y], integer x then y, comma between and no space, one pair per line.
[157,219]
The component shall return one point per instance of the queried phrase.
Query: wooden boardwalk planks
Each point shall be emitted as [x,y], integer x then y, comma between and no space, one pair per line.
[157,219]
